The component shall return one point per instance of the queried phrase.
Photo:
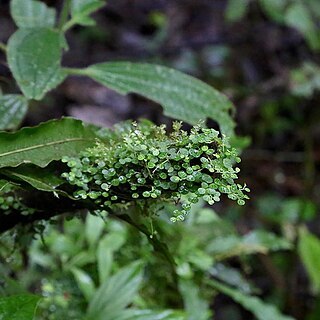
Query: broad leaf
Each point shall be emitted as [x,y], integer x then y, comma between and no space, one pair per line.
[81,9]
[261,310]
[21,307]
[116,293]
[182,97]
[42,144]
[13,108]
[41,179]
[309,251]
[34,57]
[32,14]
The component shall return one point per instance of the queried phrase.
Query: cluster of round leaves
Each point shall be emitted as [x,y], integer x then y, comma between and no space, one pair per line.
[10,201]
[141,162]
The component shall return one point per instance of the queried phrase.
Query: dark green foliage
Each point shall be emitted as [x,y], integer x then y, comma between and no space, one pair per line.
[140,162]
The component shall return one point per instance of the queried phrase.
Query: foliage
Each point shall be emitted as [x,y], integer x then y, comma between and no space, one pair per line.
[18,307]
[293,13]
[39,71]
[90,217]
[140,161]
[309,249]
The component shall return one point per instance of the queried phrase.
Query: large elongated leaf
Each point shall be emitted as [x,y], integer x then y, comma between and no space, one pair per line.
[115,294]
[84,282]
[309,251]
[34,56]
[261,310]
[13,108]
[42,144]
[32,14]
[20,307]
[182,97]
[258,241]
[196,307]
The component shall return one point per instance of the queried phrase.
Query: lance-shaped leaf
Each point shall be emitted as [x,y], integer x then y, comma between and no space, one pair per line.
[13,108]
[32,14]
[115,293]
[309,251]
[260,309]
[34,57]
[42,144]
[182,96]
[18,307]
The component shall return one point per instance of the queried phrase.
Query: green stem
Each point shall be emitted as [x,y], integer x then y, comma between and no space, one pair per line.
[3,47]
[68,25]
[75,71]
[64,14]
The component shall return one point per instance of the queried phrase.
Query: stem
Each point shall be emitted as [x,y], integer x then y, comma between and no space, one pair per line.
[68,25]
[64,14]
[75,71]
[3,47]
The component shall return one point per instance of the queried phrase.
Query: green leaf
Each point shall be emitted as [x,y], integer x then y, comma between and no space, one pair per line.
[104,260]
[236,10]
[257,241]
[274,9]
[299,17]
[132,314]
[309,251]
[232,277]
[32,14]
[261,310]
[84,282]
[182,96]
[116,293]
[42,144]
[305,80]
[34,57]
[20,307]
[196,307]
[41,179]
[3,184]
[13,108]
[81,9]
[93,228]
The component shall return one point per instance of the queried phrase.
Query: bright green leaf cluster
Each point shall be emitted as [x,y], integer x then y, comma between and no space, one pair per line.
[141,162]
